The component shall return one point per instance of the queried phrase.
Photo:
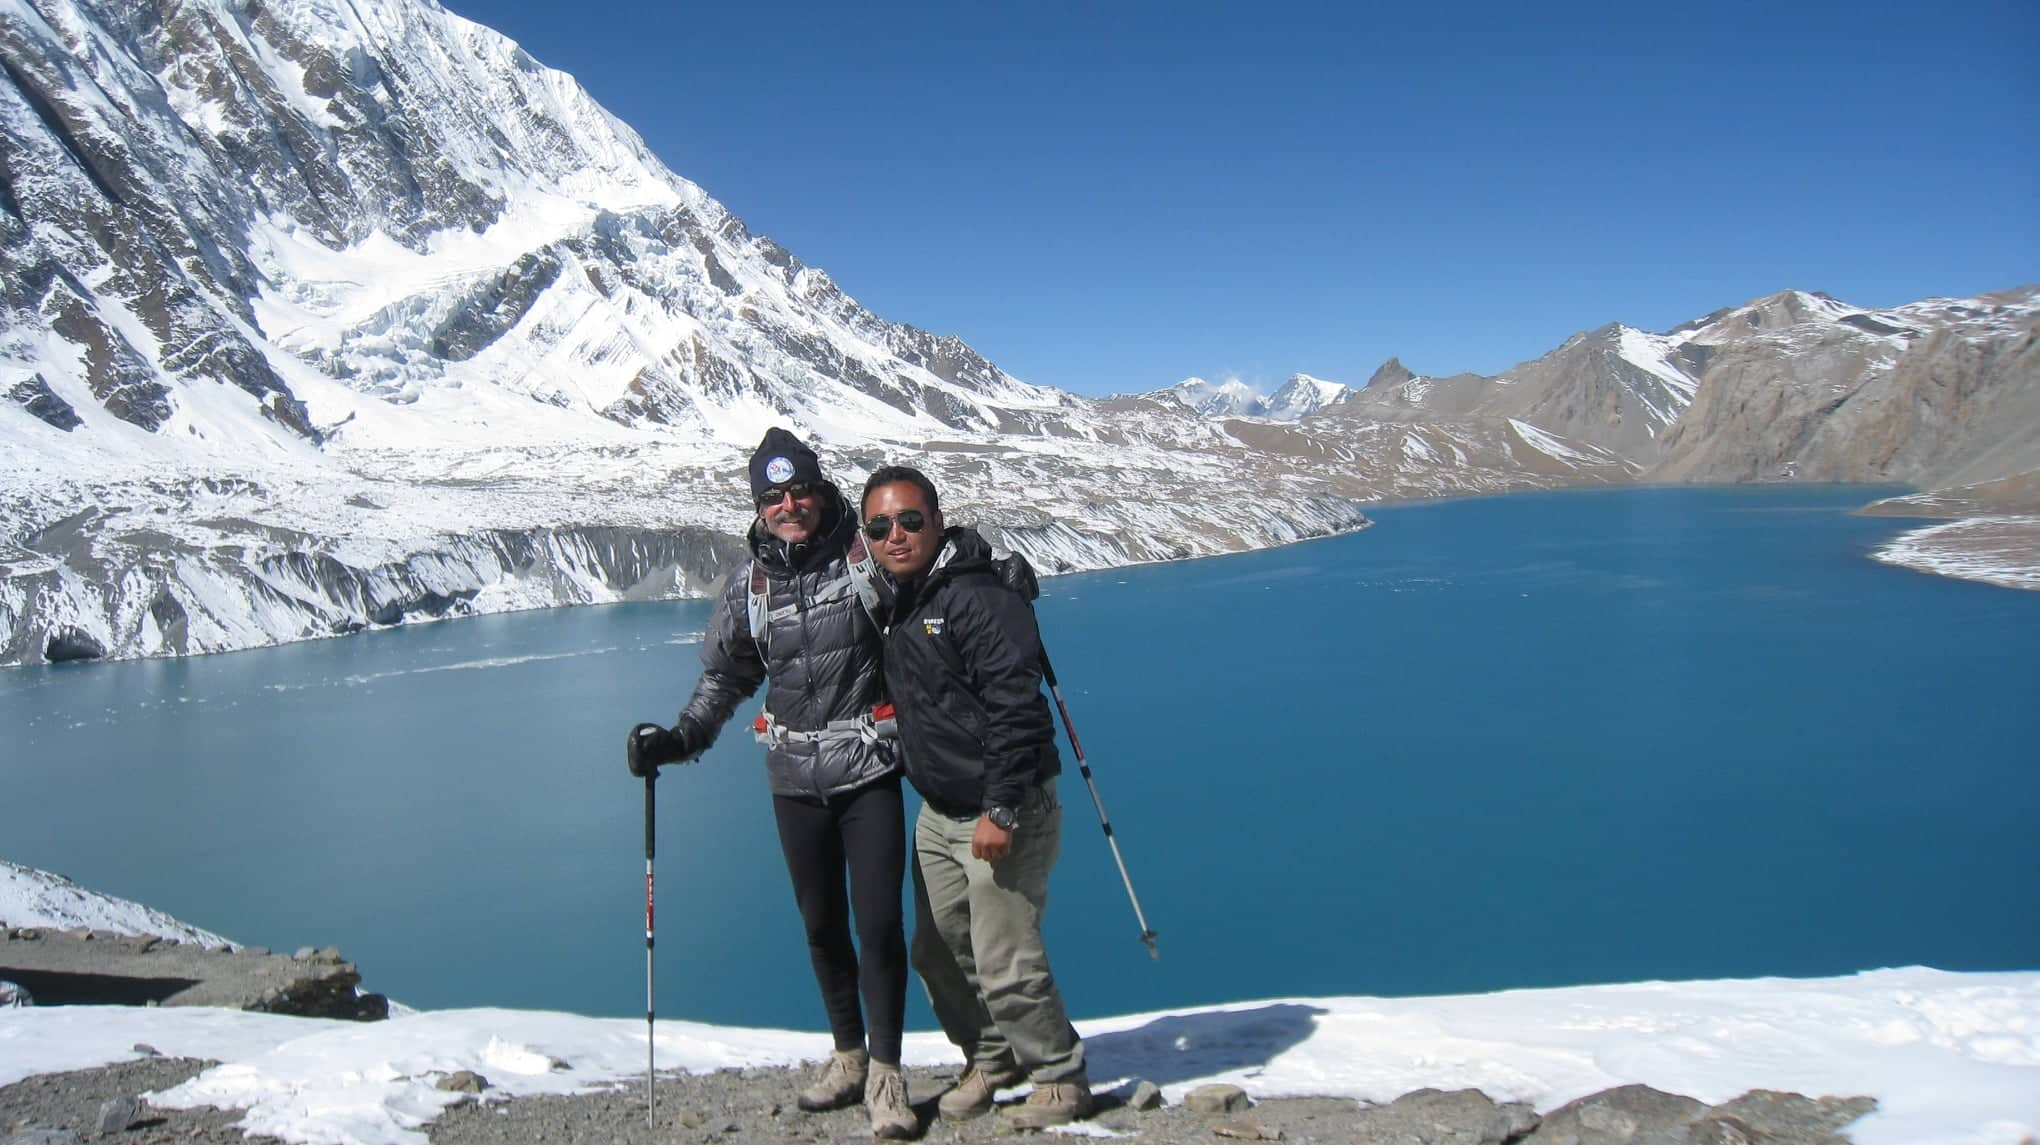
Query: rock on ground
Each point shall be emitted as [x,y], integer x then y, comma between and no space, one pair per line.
[103,967]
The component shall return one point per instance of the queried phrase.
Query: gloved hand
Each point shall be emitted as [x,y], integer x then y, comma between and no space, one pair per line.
[1016,574]
[650,747]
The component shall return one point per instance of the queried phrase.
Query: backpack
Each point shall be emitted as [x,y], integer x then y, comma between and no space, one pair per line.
[862,574]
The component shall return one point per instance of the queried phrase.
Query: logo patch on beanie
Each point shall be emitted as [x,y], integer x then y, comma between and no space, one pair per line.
[779,470]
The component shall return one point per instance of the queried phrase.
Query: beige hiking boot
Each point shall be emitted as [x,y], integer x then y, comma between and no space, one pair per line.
[1052,1104]
[885,1097]
[840,1082]
[974,1092]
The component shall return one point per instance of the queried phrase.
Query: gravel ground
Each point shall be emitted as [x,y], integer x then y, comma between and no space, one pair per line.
[744,1106]
[727,1107]
[72,1100]
[756,1105]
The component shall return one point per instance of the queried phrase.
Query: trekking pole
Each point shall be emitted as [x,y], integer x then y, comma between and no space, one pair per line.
[1147,933]
[651,1031]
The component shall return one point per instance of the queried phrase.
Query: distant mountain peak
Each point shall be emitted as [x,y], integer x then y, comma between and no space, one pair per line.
[1390,373]
[1769,314]
[1230,398]
[1303,395]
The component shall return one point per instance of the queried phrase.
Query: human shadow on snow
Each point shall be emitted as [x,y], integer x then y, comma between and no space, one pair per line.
[1185,1046]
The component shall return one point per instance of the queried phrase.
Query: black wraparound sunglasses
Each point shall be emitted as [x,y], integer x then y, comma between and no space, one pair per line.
[879,528]
[777,493]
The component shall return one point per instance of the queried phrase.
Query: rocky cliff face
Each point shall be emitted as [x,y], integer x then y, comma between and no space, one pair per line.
[1936,394]
[1793,386]
[83,589]
[1614,388]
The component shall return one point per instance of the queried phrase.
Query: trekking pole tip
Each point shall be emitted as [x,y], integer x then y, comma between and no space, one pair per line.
[1149,936]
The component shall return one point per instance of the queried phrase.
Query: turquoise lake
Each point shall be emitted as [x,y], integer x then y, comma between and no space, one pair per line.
[1525,741]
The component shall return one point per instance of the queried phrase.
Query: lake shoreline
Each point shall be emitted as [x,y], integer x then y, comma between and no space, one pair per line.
[1975,548]
[2003,551]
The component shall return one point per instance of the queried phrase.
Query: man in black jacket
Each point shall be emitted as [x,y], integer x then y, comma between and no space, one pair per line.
[796,614]
[963,665]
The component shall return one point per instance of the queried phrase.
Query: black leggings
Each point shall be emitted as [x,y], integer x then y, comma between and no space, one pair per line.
[864,831]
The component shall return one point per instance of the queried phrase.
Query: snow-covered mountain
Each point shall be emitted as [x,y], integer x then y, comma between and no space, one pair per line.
[1624,389]
[1300,395]
[322,315]
[1939,393]
[1230,398]
[1793,385]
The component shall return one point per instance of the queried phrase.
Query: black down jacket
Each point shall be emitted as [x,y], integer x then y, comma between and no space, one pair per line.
[963,663]
[821,655]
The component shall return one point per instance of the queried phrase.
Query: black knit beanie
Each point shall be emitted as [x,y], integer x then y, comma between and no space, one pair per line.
[782,458]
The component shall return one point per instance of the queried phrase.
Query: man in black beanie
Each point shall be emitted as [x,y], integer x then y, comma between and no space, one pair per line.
[800,615]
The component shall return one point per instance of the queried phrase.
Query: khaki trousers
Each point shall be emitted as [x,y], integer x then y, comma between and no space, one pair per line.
[977,943]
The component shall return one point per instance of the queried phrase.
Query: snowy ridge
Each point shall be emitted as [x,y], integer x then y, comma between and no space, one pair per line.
[1623,389]
[1297,397]
[1301,396]
[1550,446]
[1951,1058]
[34,898]
[1230,398]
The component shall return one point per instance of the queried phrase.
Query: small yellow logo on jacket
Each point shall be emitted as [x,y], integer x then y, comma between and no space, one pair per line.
[932,626]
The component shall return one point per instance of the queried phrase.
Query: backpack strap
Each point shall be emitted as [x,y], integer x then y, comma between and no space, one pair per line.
[880,723]
[863,576]
[759,605]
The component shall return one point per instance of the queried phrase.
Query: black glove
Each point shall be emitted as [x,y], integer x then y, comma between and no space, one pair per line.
[1016,574]
[650,747]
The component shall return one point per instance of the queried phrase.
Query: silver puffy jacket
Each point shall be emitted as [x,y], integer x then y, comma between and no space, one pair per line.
[821,656]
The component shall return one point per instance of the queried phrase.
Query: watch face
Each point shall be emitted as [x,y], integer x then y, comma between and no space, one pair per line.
[1003,817]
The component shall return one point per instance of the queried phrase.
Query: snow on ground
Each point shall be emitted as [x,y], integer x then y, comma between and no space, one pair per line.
[1651,353]
[33,898]
[2000,550]
[1951,1058]
[1544,443]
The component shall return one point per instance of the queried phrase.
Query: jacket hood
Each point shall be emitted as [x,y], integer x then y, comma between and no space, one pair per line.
[963,551]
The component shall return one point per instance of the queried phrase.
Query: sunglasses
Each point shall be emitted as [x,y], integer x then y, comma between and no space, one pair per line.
[774,495]
[879,528]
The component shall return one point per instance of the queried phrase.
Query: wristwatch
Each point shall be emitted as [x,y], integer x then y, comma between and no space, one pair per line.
[1004,818]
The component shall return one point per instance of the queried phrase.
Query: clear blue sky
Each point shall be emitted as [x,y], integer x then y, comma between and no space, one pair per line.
[1112,195]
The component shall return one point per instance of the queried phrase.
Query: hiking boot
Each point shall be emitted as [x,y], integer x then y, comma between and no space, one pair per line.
[885,1096]
[974,1091]
[1057,1103]
[840,1082]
